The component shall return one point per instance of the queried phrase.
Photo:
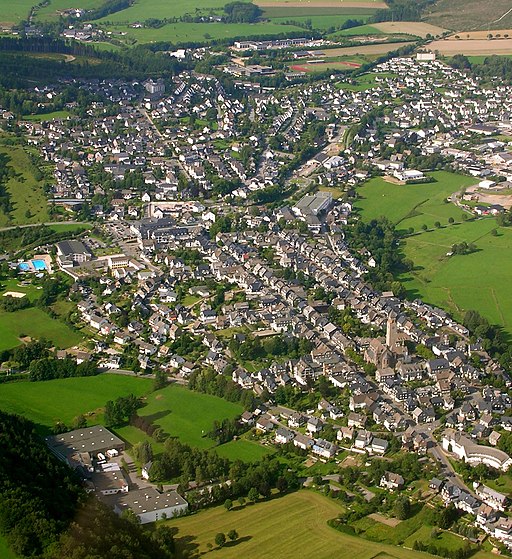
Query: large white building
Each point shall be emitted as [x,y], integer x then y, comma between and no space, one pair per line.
[474,454]
[149,505]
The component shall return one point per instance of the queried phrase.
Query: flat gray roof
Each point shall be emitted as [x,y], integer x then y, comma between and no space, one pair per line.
[90,439]
[149,499]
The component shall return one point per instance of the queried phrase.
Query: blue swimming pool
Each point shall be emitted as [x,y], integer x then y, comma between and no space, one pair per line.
[24,267]
[39,265]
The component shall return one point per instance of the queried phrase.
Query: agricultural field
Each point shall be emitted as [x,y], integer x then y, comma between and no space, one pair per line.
[11,13]
[345,4]
[242,449]
[457,283]
[472,47]
[413,205]
[55,7]
[25,190]
[311,10]
[186,414]
[454,283]
[35,323]
[470,14]
[417,28]
[321,22]
[199,32]
[50,401]
[289,527]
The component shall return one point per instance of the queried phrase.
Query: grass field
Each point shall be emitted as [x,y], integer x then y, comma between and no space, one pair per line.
[247,451]
[5,552]
[413,205]
[25,191]
[35,323]
[51,11]
[472,47]
[417,28]
[290,527]
[454,283]
[47,116]
[204,32]
[186,414]
[12,13]
[49,401]
[321,21]
[312,10]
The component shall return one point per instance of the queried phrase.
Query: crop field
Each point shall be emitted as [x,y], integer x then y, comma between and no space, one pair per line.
[186,414]
[204,32]
[470,14]
[289,527]
[25,191]
[472,47]
[46,402]
[417,28]
[12,13]
[35,323]
[242,449]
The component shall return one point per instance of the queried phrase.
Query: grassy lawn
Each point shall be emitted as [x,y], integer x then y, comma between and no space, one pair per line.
[35,323]
[5,552]
[444,539]
[241,449]
[26,192]
[132,435]
[13,284]
[63,399]
[289,527]
[186,414]
[503,484]
[359,30]
[48,116]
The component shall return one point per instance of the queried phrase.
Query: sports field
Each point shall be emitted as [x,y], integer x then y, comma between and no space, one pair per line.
[186,414]
[50,401]
[25,191]
[34,322]
[290,527]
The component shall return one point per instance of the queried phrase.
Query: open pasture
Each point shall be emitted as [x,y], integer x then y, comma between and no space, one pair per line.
[186,414]
[11,13]
[472,47]
[47,402]
[416,28]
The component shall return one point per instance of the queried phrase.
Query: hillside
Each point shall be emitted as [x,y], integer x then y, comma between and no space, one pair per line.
[466,15]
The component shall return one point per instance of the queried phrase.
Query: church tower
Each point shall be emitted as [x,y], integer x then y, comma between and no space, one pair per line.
[391,333]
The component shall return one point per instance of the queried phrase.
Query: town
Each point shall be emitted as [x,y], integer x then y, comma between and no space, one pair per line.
[222,246]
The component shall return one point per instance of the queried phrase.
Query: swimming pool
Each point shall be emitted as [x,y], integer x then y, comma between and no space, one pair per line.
[24,267]
[39,265]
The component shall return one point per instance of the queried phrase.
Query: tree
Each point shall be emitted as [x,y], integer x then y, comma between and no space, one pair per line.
[451,220]
[79,422]
[143,451]
[241,500]
[253,494]
[437,224]
[160,380]
[424,227]
[233,535]
[220,539]
[402,508]
[228,504]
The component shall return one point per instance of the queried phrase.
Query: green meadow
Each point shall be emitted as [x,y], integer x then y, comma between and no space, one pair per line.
[50,401]
[26,192]
[11,13]
[242,449]
[34,322]
[477,281]
[186,414]
[323,21]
